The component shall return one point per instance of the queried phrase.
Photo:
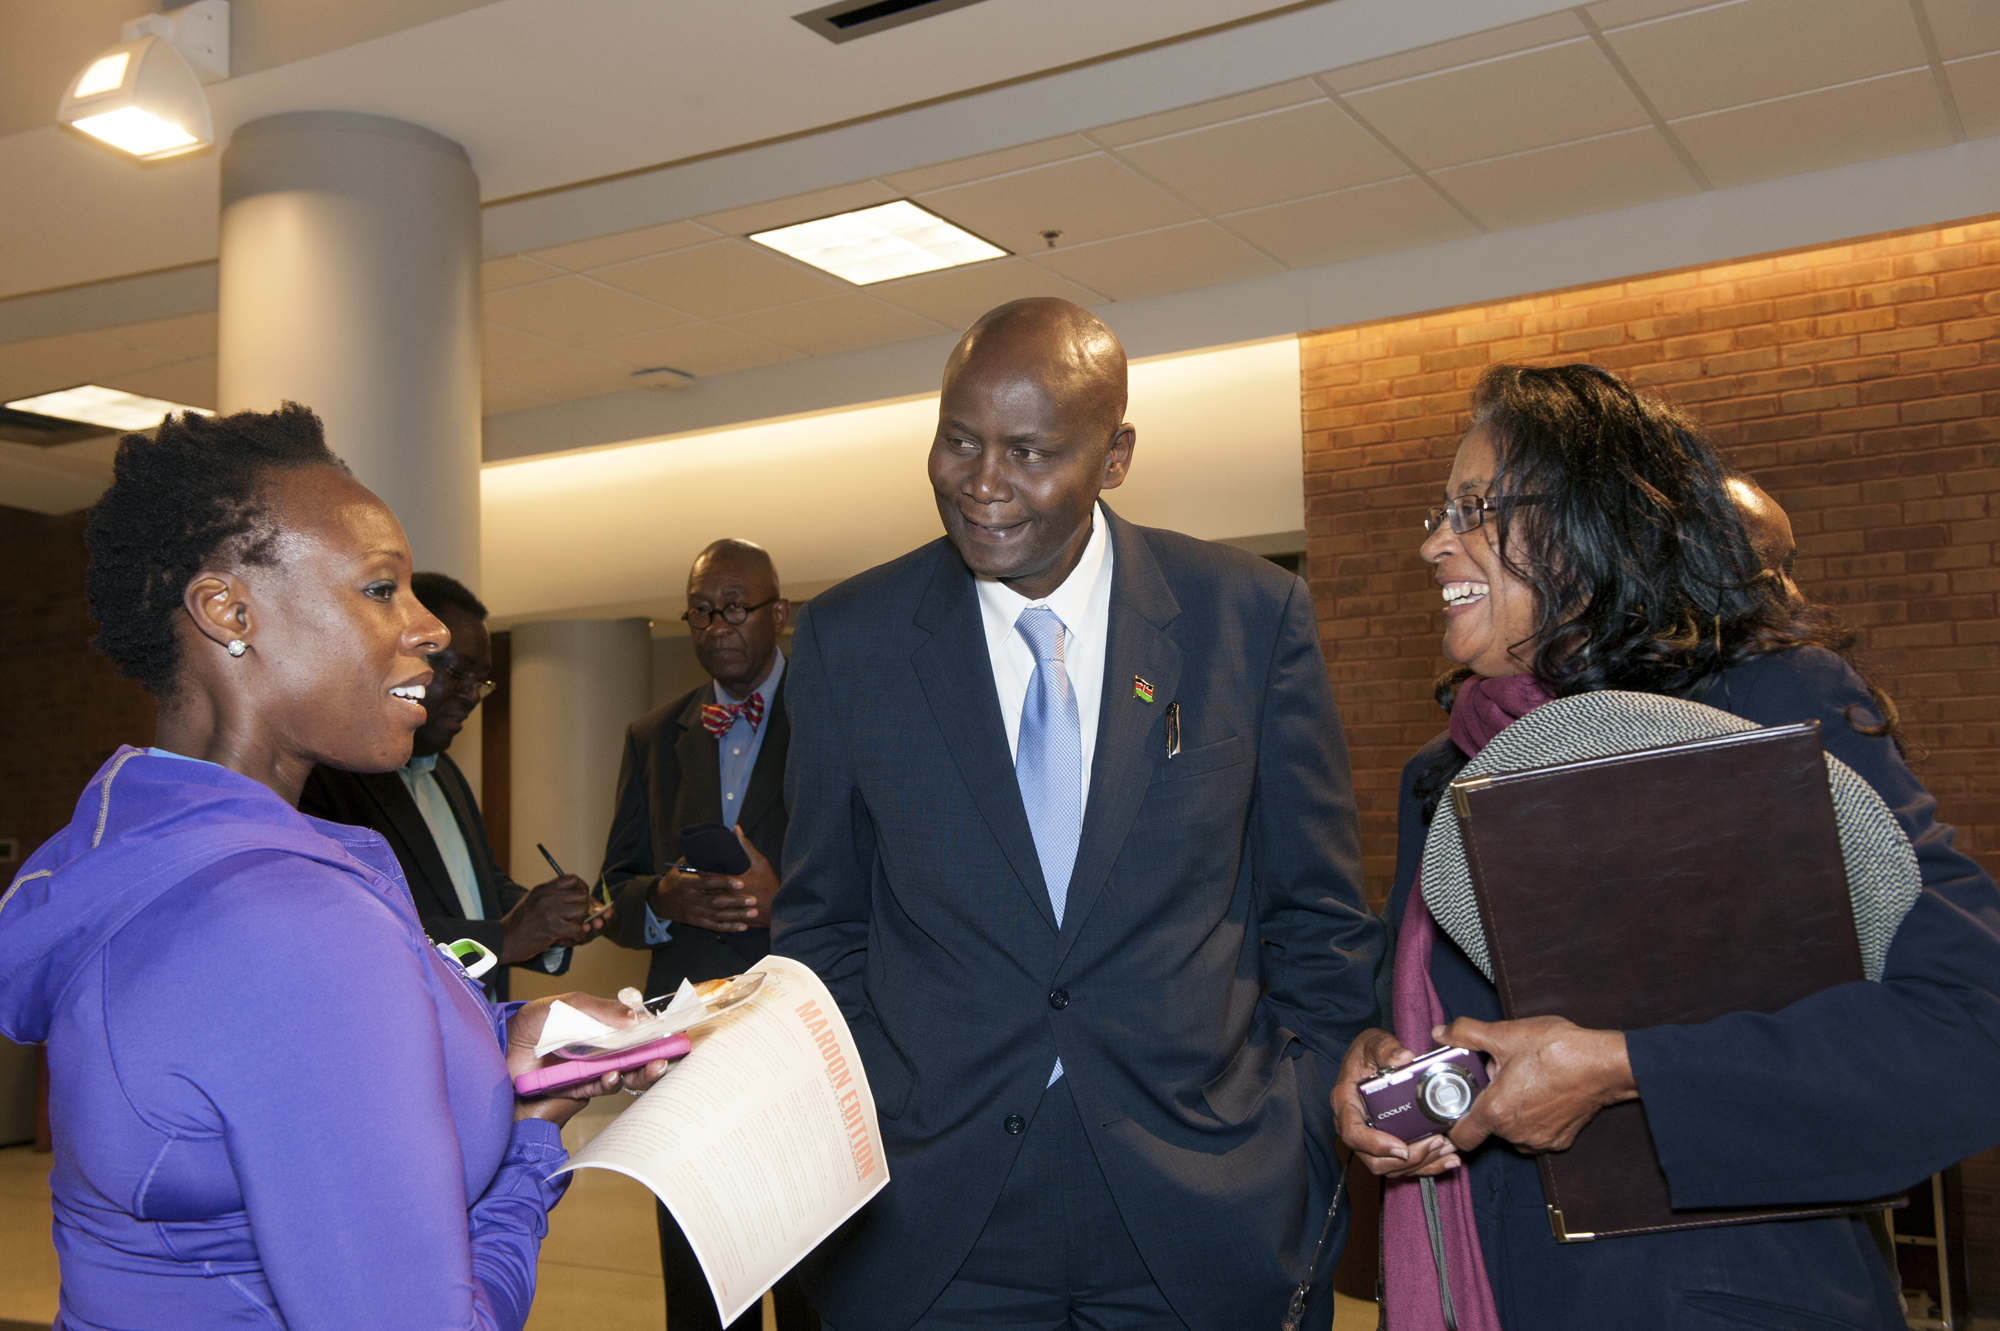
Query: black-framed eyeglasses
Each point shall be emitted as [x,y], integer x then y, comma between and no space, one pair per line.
[1468,512]
[459,679]
[733,613]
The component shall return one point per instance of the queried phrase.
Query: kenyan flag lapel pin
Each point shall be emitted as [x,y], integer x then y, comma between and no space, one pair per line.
[1142,689]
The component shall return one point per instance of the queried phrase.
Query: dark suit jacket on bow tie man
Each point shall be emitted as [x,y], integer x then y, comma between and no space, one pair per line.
[715,755]
[1073,844]
[426,812]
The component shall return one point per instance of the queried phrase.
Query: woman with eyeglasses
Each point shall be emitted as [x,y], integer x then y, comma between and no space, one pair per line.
[1587,540]
[274,1102]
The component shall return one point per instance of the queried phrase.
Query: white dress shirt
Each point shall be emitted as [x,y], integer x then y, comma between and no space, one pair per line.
[1083,604]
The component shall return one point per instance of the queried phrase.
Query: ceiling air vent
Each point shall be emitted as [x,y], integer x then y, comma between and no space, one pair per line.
[860,18]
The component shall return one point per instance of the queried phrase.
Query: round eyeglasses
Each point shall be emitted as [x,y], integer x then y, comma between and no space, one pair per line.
[699,618]
[461,680]
[1468,512]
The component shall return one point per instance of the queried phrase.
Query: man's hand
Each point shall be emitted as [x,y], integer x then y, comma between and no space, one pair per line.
[728,904]
[1372,1052]
[551,915]
[558,1106]
[1550,1077]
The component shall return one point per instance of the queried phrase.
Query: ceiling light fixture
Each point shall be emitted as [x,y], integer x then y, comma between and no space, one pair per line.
[143,96]
[94,404]
[875,244]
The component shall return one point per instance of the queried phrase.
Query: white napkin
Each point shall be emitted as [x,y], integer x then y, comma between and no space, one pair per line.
[565,1025]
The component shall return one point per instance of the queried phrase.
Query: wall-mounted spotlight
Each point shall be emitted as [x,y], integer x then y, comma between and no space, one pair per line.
[143,96]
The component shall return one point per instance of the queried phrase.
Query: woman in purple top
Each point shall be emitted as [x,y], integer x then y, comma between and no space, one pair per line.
[274,1103]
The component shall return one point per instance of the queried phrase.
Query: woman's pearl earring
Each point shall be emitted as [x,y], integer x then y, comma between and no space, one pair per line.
[237,646]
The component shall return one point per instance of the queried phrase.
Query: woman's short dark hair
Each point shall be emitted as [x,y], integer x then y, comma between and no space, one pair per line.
[1645,576]
[188,498]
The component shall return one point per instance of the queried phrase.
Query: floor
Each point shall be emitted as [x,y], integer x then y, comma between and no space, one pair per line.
[600,1266]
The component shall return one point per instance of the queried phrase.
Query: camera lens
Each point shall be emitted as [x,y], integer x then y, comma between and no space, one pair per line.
[1446,1095]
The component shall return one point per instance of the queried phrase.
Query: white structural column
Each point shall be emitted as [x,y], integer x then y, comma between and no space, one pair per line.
[576,683]
[350,284]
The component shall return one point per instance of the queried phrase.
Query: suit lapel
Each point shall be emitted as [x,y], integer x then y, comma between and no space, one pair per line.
[400,812]
[701,775]
[956,674]
[767,778]
[1129,732]
[458,794]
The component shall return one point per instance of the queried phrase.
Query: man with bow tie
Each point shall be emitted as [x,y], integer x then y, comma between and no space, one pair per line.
[716,755]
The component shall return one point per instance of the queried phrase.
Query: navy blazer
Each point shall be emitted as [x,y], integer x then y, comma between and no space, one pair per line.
[1215,955]
[380,800]
[1860,1091]
[670,777]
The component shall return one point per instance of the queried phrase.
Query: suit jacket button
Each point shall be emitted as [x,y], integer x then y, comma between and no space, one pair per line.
[1015,1125]
[1059,999]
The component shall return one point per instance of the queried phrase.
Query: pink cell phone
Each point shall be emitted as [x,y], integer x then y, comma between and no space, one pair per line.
[540,1081]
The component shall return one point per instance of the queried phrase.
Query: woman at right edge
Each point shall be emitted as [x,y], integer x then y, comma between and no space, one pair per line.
[1586,542]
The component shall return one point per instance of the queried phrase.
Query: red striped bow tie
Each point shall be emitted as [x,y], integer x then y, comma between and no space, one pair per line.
[716,718]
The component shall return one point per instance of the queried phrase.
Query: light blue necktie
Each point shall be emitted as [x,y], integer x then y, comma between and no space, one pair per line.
[1048,759]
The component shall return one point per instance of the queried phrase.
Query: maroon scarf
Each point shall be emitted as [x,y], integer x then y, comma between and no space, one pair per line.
[1412,1300]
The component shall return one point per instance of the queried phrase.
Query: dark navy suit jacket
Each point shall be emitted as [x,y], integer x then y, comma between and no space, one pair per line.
[1215,956]
[1859,1091]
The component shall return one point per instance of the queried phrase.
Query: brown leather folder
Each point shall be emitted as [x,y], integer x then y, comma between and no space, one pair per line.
[1667,886]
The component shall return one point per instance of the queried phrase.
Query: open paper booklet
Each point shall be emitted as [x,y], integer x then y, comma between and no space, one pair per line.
[761,1141]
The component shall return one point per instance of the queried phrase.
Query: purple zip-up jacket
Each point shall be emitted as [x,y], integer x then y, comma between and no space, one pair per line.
[274,1103]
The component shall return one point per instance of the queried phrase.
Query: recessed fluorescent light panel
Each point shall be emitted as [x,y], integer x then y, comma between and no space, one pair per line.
[875,244]
[93,404]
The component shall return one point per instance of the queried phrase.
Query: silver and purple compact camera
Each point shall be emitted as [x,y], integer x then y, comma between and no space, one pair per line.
[1425,1097]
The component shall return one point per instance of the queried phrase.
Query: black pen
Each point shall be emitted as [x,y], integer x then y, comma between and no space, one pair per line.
[601,910]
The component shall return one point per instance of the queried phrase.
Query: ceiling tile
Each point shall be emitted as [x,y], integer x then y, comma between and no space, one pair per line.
[183,336]
[1018,158]
[562,375]
[1964,27]
[958,296]
[1614,13]
[1088,199]
[799,208]
[1209,113]
[574,310]
[190,382]
[1287,154]
[699,349]
[1832,127]
[1394,215]
[839,323]
[1179,258]
[1975,86]
[495,399]
[498,343]
[727,277]
[1595,176]
[44,364]
[1480,111]
[583,255]
[513,271]
[1752,50]
[1459,51]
